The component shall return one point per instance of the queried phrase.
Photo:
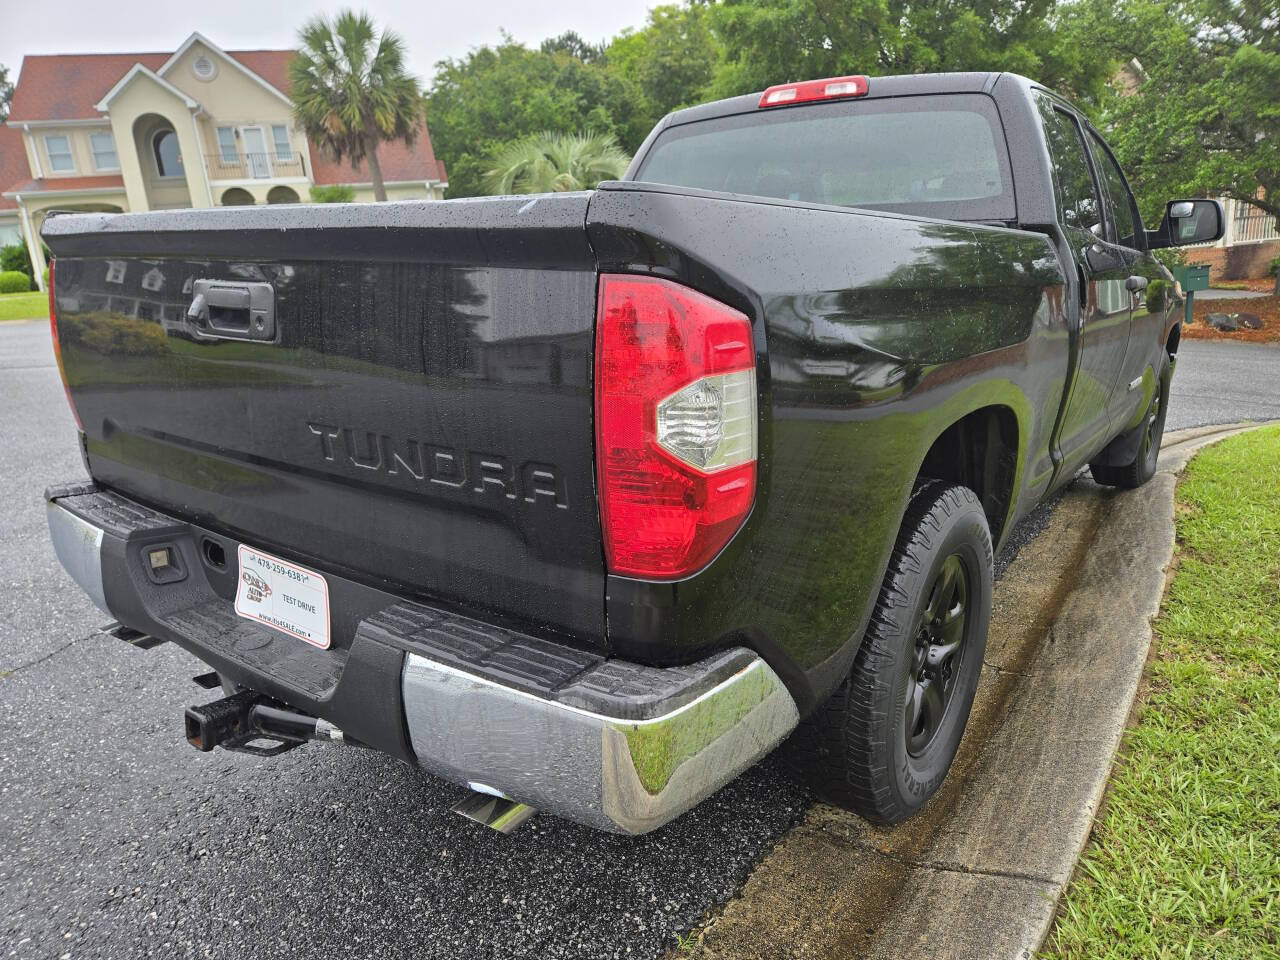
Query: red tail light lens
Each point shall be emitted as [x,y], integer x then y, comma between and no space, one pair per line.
[675,425]
[57,347]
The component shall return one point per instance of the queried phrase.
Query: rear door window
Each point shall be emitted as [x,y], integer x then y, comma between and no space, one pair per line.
[939,156]
[1079,203]
[1121,209]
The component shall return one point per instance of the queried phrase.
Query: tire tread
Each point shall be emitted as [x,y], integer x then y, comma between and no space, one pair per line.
[834,750]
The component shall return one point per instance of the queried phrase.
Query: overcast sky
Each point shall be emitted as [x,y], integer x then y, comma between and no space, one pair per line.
[432,30]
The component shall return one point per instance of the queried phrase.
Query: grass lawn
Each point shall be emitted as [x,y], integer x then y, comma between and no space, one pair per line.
[24,306]
[1185,858]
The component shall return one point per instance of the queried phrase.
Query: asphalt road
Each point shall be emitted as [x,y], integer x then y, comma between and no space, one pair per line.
[117,840]
[1224,382]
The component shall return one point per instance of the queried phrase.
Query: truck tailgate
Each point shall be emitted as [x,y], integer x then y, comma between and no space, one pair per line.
[414,411]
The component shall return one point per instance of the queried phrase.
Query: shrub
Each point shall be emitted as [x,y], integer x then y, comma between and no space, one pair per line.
[14,281]
[1274,269]
[46,278]
[334,193]
[15,257]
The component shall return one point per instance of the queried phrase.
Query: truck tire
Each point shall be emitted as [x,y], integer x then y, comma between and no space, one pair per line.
[1143,466]
[883,743]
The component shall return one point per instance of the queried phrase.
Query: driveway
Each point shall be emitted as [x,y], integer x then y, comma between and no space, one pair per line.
[117,840]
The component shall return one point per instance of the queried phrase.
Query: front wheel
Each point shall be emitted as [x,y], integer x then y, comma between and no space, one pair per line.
[883,743]
[1143,466]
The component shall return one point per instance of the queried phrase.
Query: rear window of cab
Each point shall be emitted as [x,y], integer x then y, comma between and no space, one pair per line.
[940,156]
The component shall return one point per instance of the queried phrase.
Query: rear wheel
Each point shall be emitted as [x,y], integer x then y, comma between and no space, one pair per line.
[883,743]
[1143,466]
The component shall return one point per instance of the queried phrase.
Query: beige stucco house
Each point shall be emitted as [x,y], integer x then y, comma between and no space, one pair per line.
[199,127]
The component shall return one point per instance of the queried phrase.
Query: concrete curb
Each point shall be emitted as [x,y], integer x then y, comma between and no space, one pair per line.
[980,871]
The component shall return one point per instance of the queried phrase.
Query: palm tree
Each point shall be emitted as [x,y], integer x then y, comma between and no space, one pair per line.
[554,162]
[351,92]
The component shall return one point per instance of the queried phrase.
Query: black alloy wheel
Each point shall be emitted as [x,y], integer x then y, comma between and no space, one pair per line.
[932,671]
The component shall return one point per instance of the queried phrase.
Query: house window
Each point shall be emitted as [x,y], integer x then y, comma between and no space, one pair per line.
[104,151]
[164,144]
[227,145]
[115,271]
[280,134]
[59,150]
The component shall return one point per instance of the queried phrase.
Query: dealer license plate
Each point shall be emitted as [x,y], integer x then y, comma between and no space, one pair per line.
[284,596]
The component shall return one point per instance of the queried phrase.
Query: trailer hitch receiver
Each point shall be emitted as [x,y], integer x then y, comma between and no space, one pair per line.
[248,722]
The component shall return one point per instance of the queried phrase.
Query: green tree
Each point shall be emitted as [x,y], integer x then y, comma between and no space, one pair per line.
[775,41]
[1198,112]
[671,61]
[571,42]
[351,90]
[6,92]
[496,95]
[555,162]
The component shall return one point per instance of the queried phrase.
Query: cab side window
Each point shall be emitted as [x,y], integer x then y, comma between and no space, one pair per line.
[1079,205]
[1122,210]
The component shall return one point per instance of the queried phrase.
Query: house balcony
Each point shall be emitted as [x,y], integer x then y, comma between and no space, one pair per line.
[1250,224]
[255,166]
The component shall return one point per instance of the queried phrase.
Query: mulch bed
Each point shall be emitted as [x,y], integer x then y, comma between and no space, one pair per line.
[1266,309]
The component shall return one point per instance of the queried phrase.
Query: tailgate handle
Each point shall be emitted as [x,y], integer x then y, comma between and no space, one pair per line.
[224,310]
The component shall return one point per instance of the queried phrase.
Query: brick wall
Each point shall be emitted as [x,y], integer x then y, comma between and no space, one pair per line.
[1242,261]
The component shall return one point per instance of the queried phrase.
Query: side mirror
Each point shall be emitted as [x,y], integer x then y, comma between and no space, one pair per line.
[1186,222]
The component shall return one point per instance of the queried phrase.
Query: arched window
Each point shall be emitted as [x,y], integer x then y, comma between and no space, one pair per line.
[282,194]
[237,197]
[164,144]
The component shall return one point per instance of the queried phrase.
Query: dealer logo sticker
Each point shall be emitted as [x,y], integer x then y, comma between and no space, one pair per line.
[283,596]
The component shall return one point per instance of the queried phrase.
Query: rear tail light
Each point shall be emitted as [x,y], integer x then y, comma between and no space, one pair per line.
[675,425]
[833,88]
[57,347]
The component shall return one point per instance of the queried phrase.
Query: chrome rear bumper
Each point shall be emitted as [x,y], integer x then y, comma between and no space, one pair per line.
[624,776]
[78,545]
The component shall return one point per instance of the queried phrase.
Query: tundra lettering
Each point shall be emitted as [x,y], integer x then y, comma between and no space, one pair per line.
[492,473]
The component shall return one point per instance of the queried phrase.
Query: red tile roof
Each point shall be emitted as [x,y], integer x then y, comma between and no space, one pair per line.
[13,164]
[398,163]
[56,184]
[271,65]
[67,86]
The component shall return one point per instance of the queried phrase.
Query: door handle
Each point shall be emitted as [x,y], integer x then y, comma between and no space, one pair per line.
[1135,284]
[228,310]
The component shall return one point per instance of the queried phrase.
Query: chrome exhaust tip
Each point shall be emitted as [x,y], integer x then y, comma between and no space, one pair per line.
[487,806]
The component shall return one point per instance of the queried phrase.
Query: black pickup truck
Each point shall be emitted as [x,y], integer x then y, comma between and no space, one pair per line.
[588,501]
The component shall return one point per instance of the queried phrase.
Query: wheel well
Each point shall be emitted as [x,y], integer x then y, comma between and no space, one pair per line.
[1175,337]
[979,451]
